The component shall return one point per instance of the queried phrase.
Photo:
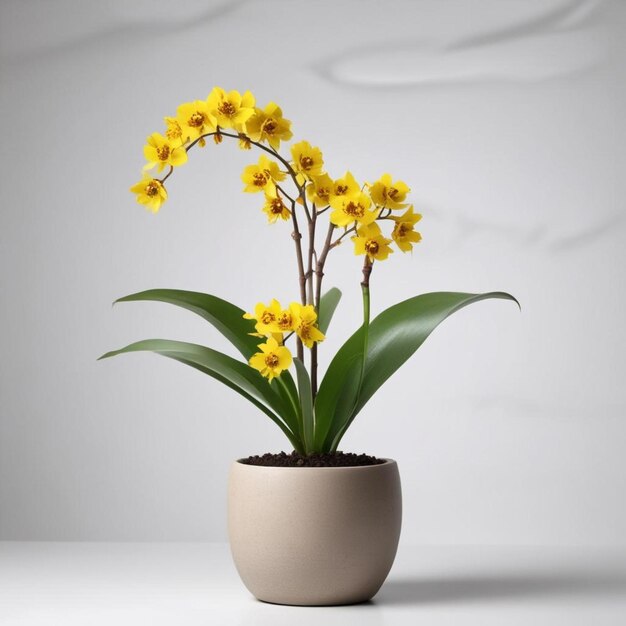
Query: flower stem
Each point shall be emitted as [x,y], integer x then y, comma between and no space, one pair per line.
[365,283]
[297,237]
[319,273]
[309,272]
[365,288]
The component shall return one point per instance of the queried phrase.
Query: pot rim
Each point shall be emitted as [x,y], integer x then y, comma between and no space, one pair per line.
[387,462]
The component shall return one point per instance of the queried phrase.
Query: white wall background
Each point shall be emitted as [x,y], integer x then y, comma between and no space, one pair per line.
[508,120]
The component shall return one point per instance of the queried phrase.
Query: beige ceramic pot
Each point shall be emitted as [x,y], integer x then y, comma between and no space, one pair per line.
[314,535]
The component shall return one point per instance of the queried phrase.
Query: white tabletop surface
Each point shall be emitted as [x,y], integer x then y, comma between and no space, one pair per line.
[196,583]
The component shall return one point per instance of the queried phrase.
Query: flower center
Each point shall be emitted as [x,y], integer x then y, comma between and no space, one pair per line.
[323,193]
[276,207]
[341,190]
[354,209]
[403,229]
[306,162]
[268,317]
[226,108]
[152,188]
[269,126]
[371,246]
[259,179]
[271,360]
[285,321]
[392,193]
[163,152]
[196,120]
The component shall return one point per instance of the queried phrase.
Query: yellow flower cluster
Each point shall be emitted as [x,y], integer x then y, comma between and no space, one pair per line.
[354,207]
[357,208]
[198,119]
[272,322]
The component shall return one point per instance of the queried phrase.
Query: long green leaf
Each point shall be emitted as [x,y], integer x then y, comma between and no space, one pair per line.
[328,304]
[338,390]
[226,317]
[285,386]
[397,333]
[306,403]
[295,441]
[349,392]
[235,374]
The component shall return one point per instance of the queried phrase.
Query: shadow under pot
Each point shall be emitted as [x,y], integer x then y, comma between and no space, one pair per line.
[314,535]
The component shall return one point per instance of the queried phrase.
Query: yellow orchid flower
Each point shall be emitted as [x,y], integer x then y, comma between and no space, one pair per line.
[195,119]
[174,131]
[388,194]
[266,317]
[261,176]
[307,160]
[287,320]
[160,151]
[353,209]
[274,207]
[150,192]
[404,233]
[345,187]
[369,240]
[318,191]
[269,125]
[231,110]
[272,359]
[304,320]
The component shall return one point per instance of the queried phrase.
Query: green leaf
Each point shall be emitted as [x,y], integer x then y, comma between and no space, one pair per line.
[288,390]
[237,375]
[276,419]
[306,403]
[226,317]
[328,304]
[339,388]
[398,332]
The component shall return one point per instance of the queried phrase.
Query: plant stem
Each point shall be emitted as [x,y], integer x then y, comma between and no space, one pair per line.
[365,288]
[286,194]
[271,151]
[319,270]
[297,237]
[338,240]
[365,283]
[310,297]
[262,147]
[319,273]
[309,272]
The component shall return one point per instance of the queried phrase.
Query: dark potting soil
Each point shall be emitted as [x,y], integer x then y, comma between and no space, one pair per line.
[330,459]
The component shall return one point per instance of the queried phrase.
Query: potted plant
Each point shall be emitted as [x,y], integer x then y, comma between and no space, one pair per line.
[316,526]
